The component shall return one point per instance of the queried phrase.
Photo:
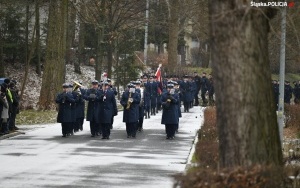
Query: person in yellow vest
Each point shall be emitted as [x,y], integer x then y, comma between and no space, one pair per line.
[14,93]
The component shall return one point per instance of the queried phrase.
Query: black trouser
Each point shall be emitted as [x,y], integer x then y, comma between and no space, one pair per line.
[65,128]
[196,98]
[4,125]
[186,106]
[153,110]
[105,128]
[12,121]
[131,129]
[203,97]
[211,99]
[176,127]
[79,124]
[140,124]
[94,127]
[170,130]
[112,122]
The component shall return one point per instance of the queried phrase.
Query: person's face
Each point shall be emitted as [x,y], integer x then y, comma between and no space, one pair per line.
[203,74]
[144,79]
[95,86]
[65,89]
[151,79]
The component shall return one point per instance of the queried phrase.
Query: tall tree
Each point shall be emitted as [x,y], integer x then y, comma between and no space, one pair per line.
[38,36]
[246,114]
[54,72]
[2,70]
[173,7]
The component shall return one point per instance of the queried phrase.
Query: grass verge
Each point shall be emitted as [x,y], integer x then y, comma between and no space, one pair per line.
[31,117]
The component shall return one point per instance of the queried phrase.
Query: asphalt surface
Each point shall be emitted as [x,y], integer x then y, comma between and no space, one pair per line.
[42,158]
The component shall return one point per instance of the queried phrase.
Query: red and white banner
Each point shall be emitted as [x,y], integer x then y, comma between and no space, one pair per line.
[159,79]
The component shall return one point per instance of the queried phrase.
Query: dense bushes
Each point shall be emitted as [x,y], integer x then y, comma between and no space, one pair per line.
[207,146]
[292,115]
[206,174]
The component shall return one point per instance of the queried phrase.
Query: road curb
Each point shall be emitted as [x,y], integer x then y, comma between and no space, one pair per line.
[189,163]
[11,135]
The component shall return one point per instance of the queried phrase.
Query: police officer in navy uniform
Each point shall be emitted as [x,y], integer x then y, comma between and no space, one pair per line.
[64,116]
[114,90]
[288,92]
[147,98]
[177,91]
[130,100]
[193,87]
[185,90]
[297,92]
[92,95]
[153,94]
[197,80]
[79,108]
[170,116]
[204,88]
[108,108]
[75,96]
[141,92]
[211,90]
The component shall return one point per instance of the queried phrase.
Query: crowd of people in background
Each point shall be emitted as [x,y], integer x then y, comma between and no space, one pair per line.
[9,106]
[140,100]
[289,91]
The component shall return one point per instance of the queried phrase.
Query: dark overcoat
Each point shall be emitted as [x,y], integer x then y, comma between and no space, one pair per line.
[93,105]
[170,109]
[108,106]
[65,101]
[130,115]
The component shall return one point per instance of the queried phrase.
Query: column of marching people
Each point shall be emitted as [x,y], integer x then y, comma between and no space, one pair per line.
[140,100]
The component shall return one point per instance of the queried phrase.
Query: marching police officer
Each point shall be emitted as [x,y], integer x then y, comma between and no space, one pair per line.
[64,116]
[141,92]
[108,108]
[114,90]
[130,100]
[170,116]
[153,94]
[288,92]
[204,88]
[297,92]
[80,105]
[211,90]
[147,98]
[185,90]
[92,95]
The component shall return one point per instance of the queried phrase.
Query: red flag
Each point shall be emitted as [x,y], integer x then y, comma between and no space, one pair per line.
[159,78]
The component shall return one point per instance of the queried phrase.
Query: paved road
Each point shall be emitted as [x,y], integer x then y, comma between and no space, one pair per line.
[42,158]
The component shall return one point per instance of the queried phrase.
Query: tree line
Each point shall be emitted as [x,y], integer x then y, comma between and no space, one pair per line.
[242,42]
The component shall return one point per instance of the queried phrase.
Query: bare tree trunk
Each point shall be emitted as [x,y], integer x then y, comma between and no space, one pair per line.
[2,69]
[73,40]
[38,51]
[54,73]
[100,51]
[27,58]
[173,34]
[100,46]
[246,114]
[109,58]
[80,46]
